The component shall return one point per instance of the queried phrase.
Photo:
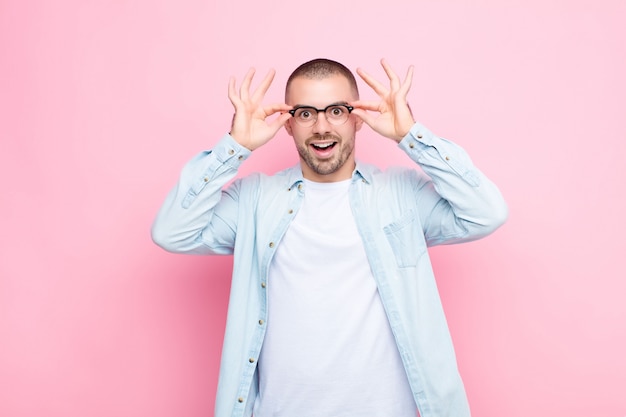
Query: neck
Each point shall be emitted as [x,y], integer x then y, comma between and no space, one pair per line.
[341,174]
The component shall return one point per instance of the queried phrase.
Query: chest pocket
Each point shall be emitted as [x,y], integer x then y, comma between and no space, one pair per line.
[406,240]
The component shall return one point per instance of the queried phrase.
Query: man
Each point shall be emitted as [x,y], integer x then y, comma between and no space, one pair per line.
[334,309]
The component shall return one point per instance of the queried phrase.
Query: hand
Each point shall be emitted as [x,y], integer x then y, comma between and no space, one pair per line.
[250,127]
[394,119]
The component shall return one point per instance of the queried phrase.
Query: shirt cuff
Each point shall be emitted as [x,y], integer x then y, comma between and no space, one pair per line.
[418,139]
[228,151]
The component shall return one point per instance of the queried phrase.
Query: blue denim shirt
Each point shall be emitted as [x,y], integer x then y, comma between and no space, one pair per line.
[399,213]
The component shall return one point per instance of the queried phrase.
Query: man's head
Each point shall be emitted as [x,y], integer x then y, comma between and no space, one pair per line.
[325,140]
[320,68]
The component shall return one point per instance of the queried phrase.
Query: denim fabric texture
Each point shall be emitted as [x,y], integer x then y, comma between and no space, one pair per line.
[399,213]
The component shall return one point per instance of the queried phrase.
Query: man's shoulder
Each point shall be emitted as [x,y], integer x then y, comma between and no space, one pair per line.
[398,173]
[282,178]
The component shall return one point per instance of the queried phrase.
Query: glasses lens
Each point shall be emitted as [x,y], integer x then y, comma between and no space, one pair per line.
[305,116]
[337,115]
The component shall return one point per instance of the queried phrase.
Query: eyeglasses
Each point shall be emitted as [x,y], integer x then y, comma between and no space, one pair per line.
[336,114]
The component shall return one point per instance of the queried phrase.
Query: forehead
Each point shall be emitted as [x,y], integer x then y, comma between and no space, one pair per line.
[319,92]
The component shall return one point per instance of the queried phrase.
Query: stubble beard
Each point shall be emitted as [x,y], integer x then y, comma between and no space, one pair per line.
[325,166]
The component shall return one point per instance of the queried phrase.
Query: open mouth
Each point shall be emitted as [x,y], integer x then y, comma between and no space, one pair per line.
[323,146]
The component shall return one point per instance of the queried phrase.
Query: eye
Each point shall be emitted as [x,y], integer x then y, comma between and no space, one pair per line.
[304,114]
[336,111]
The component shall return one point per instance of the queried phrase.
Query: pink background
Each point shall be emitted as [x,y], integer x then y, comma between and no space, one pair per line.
[102,102]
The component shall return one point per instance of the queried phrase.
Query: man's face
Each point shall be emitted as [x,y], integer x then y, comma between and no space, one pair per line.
[326,150]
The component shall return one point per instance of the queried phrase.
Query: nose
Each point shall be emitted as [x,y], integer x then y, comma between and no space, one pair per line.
[321,125]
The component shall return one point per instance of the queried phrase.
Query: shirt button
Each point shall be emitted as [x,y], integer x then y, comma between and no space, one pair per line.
[272,244]
[251,360]
[231,152]
[299,186]
[411,145]
[290,211]
[419,136]
[241,157]
[240,399]
[447,158]
[263,285]
[206,179]
[261,322]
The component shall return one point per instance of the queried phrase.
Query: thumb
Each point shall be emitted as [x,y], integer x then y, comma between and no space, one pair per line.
[365,116]
[280,121]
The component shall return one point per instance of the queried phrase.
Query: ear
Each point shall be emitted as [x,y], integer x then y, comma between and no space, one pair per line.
[288,127]
[358,124]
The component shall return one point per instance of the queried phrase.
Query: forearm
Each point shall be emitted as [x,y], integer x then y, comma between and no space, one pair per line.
[188,210]
[471,202]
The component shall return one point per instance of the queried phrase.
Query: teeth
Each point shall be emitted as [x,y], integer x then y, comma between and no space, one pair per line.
[323,146]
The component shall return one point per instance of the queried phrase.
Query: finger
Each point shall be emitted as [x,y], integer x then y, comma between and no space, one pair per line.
[393,78]
[276,108]
[366,105]
[380,89]
[280,121]
[365,116]
[232,92]
[406,84]
[259,93]
[244,91]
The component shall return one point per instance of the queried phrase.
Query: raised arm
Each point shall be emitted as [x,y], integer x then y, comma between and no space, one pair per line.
[198,216]
[459,203]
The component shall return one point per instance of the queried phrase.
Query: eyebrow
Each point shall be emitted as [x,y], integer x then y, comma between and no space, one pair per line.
[336,103]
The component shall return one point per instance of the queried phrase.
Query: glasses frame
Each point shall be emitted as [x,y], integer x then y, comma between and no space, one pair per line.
[295,109]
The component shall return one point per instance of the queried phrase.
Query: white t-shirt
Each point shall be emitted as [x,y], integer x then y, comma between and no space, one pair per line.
[328,350]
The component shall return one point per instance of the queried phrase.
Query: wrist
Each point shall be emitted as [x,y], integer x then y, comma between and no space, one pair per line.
[403,131]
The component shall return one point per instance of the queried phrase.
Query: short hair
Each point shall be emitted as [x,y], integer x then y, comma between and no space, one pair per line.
[320,68]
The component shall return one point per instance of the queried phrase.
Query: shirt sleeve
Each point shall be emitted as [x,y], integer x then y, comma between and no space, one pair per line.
[459,203]
[198,216]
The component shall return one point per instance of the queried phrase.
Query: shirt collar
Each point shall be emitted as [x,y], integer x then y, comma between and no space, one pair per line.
[361,172]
